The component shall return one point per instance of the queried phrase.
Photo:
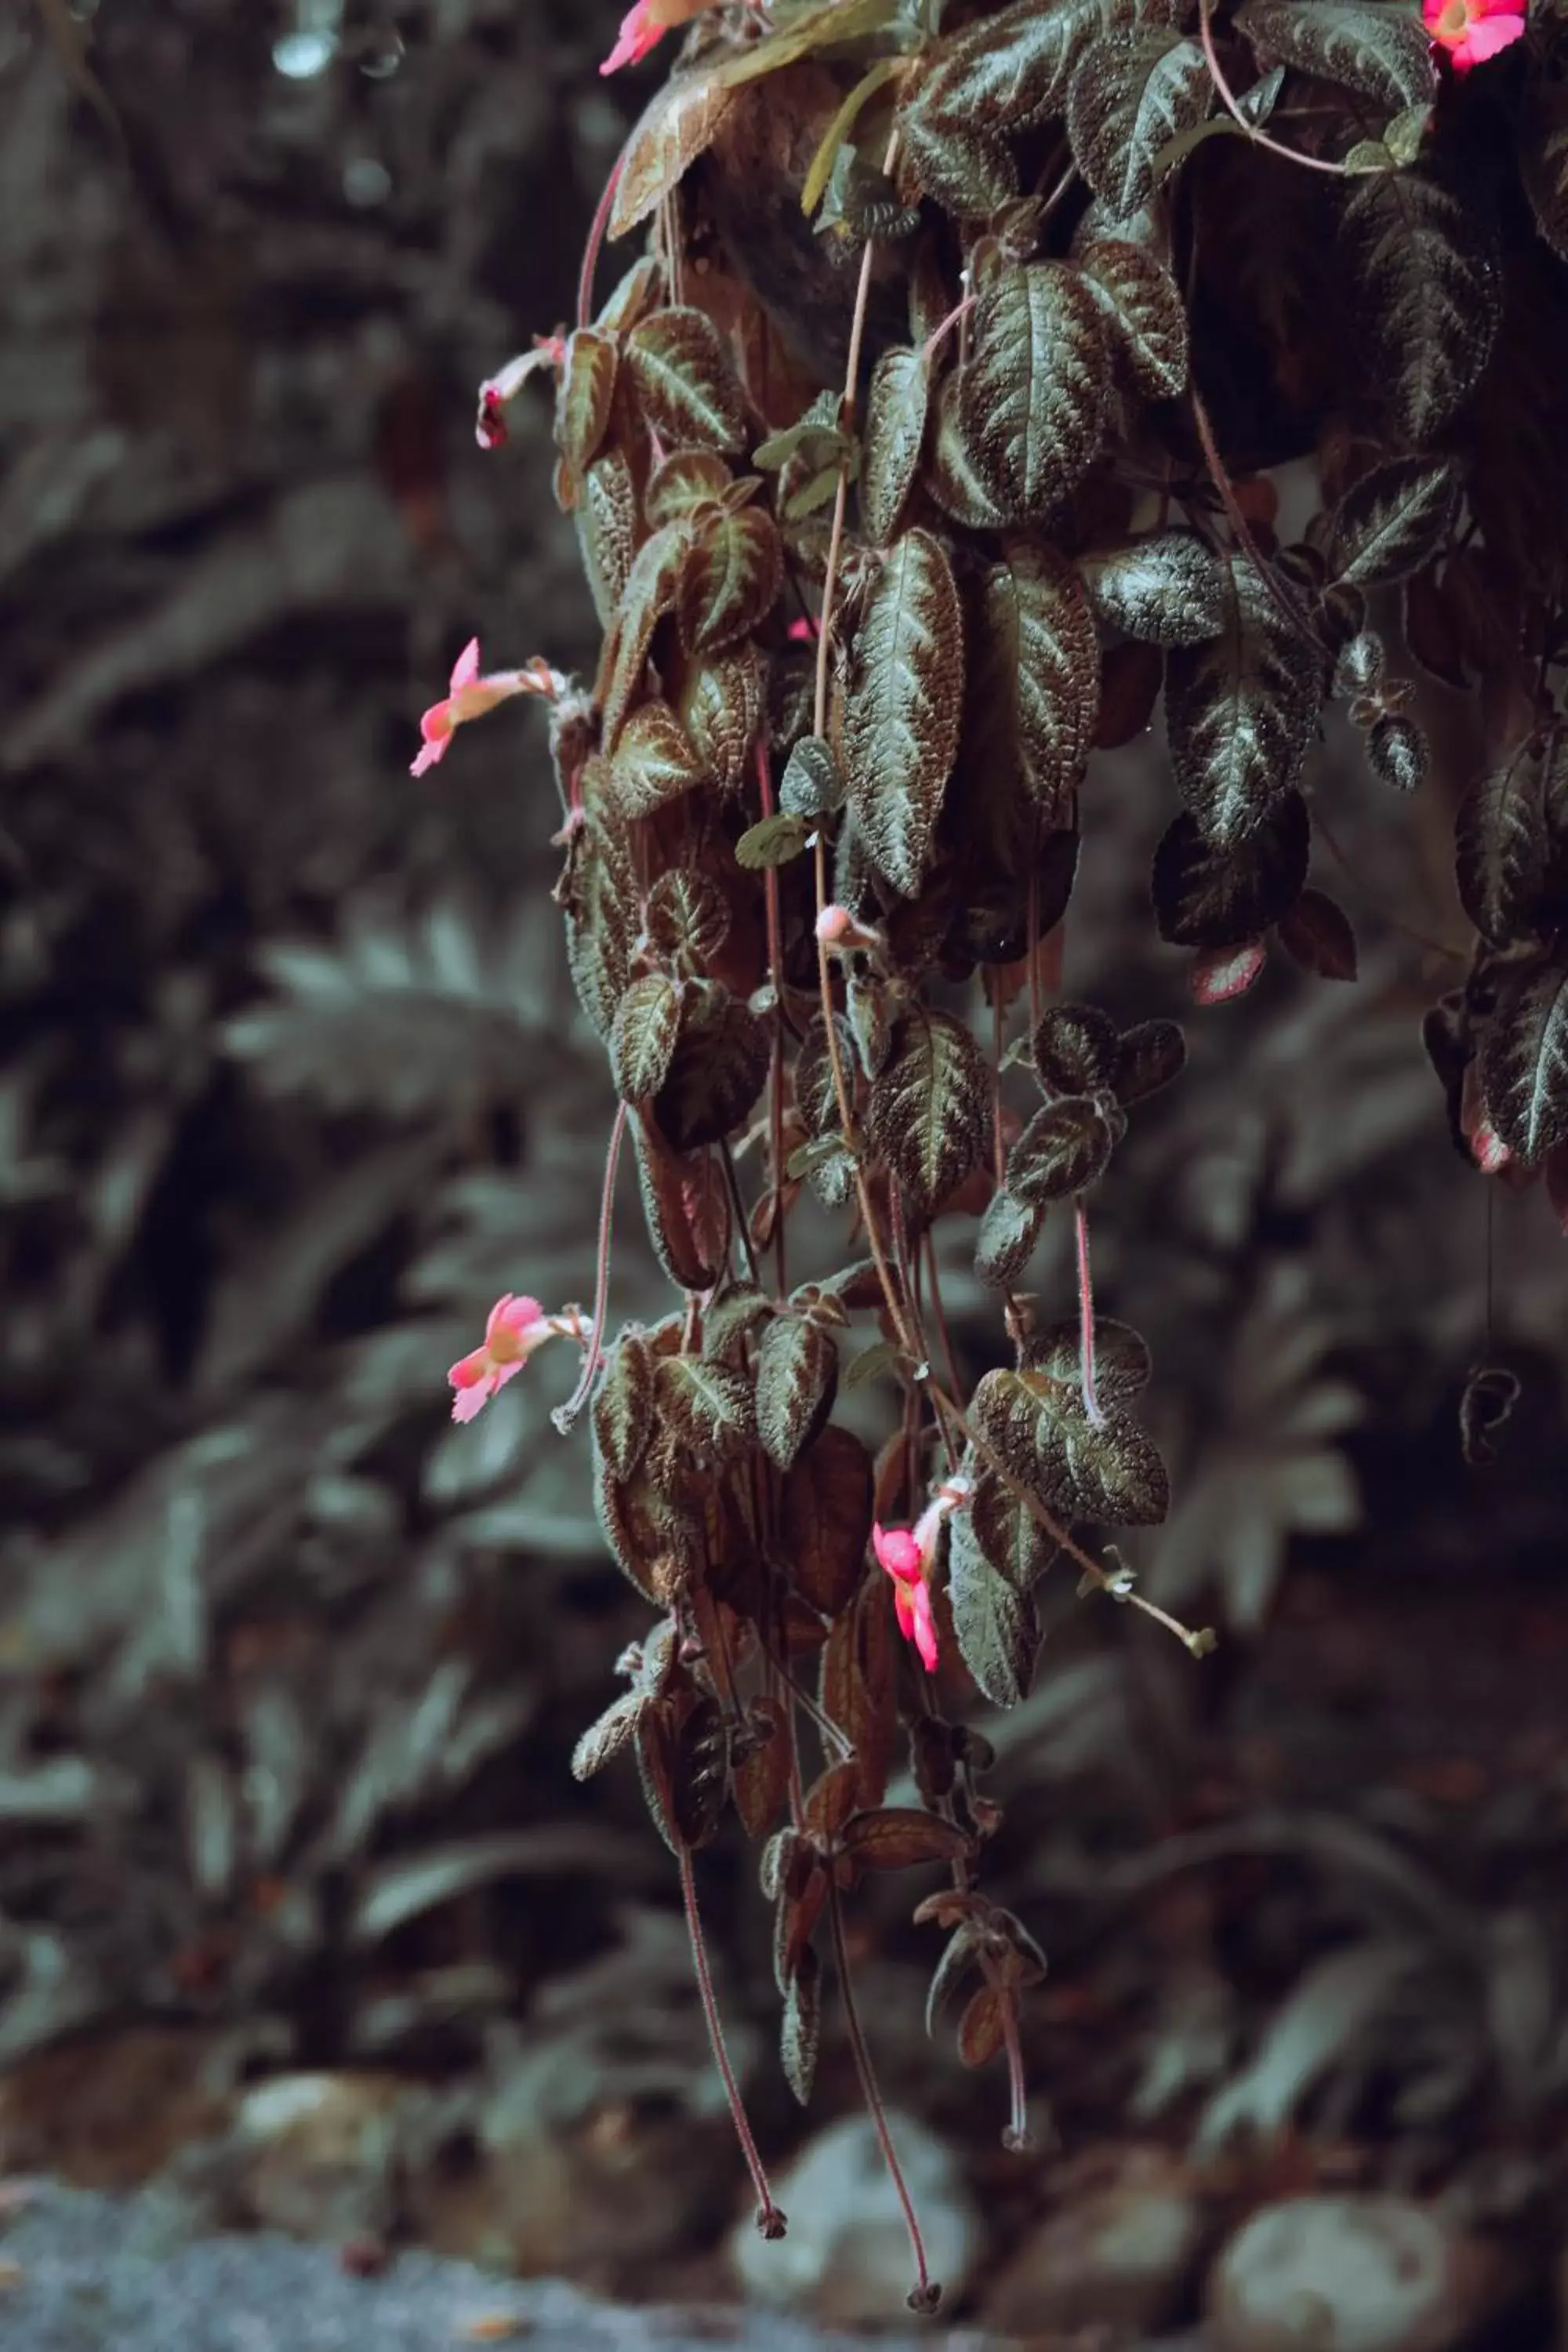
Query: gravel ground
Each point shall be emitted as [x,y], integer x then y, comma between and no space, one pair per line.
[85,2273]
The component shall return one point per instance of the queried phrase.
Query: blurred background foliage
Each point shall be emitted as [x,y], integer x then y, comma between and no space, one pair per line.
[292,1085]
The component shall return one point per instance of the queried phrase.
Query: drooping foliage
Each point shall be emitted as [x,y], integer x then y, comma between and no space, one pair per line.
[938,439]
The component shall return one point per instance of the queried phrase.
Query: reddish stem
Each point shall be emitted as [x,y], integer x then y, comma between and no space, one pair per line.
[1086,1316]
[926,2295]
[592,251]
[564,1415]
[775,974]
[770,2220]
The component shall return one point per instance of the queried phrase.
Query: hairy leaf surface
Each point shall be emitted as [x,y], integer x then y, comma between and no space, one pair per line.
[685,382]
[1524,1062]
[1033,397]
[1132,94]
[1167,589]
[1425,260]
[1208,895]
[1393,521]
[1240,710]
[901,722]
[929,1114]
[896,410]
[1363,45]
[1142,303]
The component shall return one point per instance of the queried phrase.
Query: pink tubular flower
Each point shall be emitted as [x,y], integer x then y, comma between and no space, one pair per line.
[1472,30]
[500,390]
[470,696]
[517,1328]
[908,1555]
[646,24]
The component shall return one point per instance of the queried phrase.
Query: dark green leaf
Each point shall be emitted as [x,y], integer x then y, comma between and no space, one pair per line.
[687,481]
[797,1373]
[1033,688]
[1316,934]
[606,516]
[824,1520]
[706,1406]
[688,915]
[687,1207]
[1395,519]
[1008,71]
[623,1404]
[585,395]
[813,785]
[719,1068]
[1524,1062]
[1207,897]
[1152,1054]
[651,589]
[871,1362]
[1426,264]
[721,709]
[1122,1360]
[1115,1470]
[731,580]
[929,1113]
[1502,850]
[685,382]
[1398,751]
[1007,1533]
[600,907]
[1063,1151]
[643,1041]
[1009,1231]
[896,410]
[1544,160]
[969,172]
[902,1837]
[1239,712]
[1033,395]
[1131,95]
[1144,304]
[654,760]
[801,2034]
[1362,44]
[1075,1049]
[774,842]
[901,725]
[995,1624]
[699,1774]
[1166,590]
[606,1738]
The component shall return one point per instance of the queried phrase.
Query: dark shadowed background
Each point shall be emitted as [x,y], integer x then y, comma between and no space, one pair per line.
[292,1085]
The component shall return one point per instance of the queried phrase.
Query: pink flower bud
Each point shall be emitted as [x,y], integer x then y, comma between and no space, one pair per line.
[517,1327]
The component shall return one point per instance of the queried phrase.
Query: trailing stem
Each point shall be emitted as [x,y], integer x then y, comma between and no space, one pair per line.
[564,1415]
[770,2220]
[1086,1316]
[927,2294]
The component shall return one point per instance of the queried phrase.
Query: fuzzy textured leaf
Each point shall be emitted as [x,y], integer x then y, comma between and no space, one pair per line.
[1502,849]
[901,725]
[707,1406]
[718,1067]
[1008,1533]
[1167,589]
[993,1624]
[824,1519]
[1132,94]
[685,382]
[1362,44]
[654,760]
[730,581]
[929,1113]
[1009,1231]
[1210,897]
[623,1404]
[1239,712]
[797,1373]
[1075,1049]
[896,410]
[1033,397]
[584,396]
[643,1041]
[1425,261]
[679,123]
[1524,1062]
[1141,299]
[1064,1150]
[1034,677]
[1393,521]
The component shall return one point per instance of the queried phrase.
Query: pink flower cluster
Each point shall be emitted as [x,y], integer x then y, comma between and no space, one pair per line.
[646,24]
[517,1329]
[469,696]
[1472,30]
[909,1556]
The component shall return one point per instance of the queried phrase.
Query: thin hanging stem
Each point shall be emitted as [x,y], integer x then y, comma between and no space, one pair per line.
[564,1415]
[1086,1316]
[939,1310]
[1293,611]
[926,2295]
[1228,98]
[742,1222]
[595,245]
[775,975]
[770,2220]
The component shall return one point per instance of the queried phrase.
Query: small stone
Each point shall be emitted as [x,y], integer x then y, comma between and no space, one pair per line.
[317,2155]
[1119,2257]
[846,2260]
[1375,2273]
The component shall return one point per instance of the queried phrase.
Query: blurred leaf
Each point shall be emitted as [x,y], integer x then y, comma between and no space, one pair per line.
[1321,2026]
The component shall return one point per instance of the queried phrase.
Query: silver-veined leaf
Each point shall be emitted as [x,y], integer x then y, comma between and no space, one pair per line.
[1033,396]
[929,1113]
[901,722]
[1240,710]
[1426,263]
[1144,304]
[1132,95]
[1366,46]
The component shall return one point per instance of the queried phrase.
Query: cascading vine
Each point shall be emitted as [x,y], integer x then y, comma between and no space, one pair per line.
[926,447]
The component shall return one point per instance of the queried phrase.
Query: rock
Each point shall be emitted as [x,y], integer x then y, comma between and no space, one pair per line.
[110,2110]
[846,2258]
[318,2155]
[1374,2273]
[1119,2257]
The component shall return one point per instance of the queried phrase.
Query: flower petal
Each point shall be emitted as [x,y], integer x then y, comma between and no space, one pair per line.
[925,1629]
[897,1551]
[638,35]
[466,668]
[1485,37]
